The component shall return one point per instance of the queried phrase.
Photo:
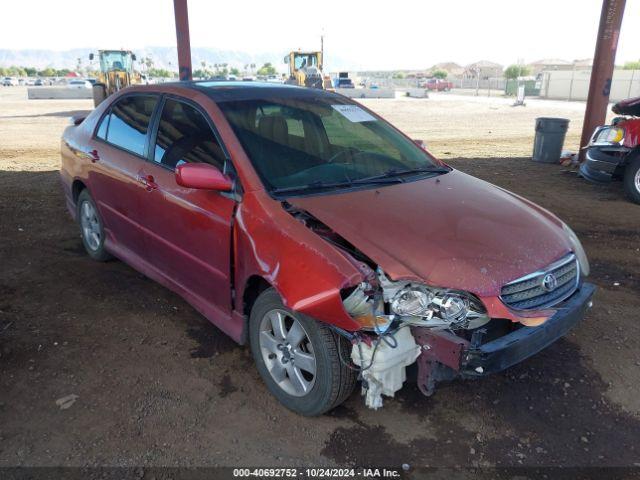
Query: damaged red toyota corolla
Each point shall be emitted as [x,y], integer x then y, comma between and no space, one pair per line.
[305,225]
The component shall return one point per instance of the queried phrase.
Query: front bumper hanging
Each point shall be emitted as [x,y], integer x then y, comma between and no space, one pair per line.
[446,356]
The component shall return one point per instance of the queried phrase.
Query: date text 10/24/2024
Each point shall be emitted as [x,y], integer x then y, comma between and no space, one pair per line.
[317,472]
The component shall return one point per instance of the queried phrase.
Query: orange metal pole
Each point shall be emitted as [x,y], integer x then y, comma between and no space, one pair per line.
[602,70]
[182,35]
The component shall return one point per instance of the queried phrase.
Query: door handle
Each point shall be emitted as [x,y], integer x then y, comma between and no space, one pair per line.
[89,155]
[93,155]
[148,181]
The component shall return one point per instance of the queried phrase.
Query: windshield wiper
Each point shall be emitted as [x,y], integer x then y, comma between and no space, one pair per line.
[395,173]
[319,185]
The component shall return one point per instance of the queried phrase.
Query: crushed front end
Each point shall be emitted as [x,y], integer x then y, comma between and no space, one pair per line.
[449,334]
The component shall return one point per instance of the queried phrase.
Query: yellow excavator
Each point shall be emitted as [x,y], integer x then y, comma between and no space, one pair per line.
[116,72]
[305,70]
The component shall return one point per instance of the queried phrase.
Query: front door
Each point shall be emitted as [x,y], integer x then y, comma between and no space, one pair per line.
[189,230]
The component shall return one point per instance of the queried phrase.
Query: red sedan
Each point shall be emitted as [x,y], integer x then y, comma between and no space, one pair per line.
[302,223]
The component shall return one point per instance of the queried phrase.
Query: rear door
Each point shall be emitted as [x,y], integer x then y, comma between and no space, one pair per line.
[119,148]
[189,230]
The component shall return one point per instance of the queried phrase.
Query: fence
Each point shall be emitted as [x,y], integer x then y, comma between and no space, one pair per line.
[494,83]
[574,84]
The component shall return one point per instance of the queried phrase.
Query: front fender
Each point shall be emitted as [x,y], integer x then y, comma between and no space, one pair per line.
[307,272]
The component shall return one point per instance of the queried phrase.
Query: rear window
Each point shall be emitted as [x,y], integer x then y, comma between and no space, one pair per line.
[127,124]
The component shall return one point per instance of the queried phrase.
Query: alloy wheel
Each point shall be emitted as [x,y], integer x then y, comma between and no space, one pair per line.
[287,352]
[91,229]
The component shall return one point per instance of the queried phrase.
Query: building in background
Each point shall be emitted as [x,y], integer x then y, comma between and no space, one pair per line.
[584,64]
[554,64]
[547,64]
[453,69]
[483,69]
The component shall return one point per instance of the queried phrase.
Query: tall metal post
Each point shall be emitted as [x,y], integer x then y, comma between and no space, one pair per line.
[602,70]
[182,35]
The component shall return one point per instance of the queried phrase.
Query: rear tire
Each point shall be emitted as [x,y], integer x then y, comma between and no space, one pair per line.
[331,381]
[632,180]
[91,227]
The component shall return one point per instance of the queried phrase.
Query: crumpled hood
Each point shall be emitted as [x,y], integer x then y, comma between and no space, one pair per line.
[452,231]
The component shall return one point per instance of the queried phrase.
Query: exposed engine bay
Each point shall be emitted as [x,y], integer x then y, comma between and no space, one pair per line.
[411,320]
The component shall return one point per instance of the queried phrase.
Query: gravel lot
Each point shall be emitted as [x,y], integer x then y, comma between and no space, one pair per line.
[157,385]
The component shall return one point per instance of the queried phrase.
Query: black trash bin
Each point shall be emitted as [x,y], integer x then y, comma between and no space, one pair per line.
[550,133]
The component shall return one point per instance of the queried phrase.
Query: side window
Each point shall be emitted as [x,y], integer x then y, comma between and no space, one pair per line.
[129,122]
[184,136]
[104,126]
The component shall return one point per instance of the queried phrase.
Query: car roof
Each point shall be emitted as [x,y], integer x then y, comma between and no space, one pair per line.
[221,91]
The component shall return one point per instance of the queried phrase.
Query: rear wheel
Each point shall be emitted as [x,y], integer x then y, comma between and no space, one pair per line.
[91,227]
[632,180]
[297,357]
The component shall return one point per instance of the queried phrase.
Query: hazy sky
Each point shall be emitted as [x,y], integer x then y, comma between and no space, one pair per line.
[397,34]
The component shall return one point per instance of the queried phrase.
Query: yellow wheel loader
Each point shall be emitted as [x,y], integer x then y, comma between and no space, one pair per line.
[116,72]
[305,70]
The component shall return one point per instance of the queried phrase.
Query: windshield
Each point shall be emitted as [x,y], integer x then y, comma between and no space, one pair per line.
[322,140]
[115,61]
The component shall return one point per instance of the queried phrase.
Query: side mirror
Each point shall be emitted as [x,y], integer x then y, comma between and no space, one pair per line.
[78,119]
[133,57]
[202,176]
[91,56]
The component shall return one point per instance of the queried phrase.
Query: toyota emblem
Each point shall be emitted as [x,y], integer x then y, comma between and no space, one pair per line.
[549,282]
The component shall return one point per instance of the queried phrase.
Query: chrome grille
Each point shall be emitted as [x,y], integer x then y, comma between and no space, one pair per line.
[532,291]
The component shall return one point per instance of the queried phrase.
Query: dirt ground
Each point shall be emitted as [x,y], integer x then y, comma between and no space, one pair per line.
[157,385]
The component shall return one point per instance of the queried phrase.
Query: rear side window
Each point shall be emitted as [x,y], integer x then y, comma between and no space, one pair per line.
[128,122]
[184,136]
[104,125]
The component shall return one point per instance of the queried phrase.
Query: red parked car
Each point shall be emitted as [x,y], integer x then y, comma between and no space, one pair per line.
[305,225]
[614,150]
[437,84]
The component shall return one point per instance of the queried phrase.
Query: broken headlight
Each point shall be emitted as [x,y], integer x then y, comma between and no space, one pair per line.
[415,300]
[452,307]
[375,307]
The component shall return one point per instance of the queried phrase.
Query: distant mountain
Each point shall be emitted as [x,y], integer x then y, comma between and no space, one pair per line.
[163,57]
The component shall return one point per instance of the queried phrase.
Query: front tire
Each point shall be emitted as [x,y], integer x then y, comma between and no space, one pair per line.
[91,227]
[297,357]
[632,180]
